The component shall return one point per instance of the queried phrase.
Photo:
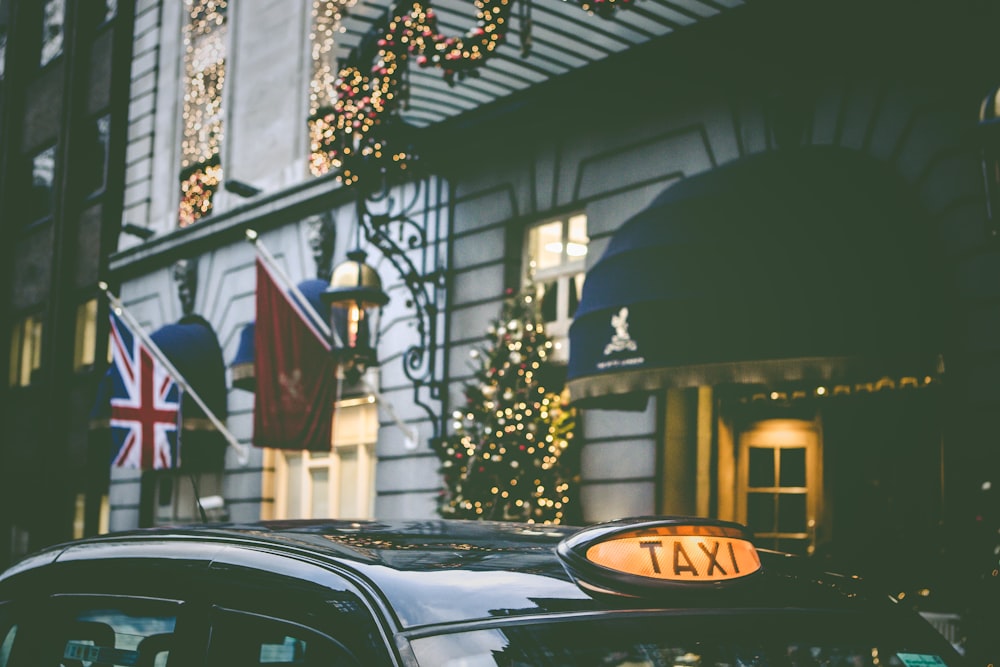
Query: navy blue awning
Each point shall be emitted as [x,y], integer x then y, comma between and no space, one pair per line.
[193,349]
[784,266]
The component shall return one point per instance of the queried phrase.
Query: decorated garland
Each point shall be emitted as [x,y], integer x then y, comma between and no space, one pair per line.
[343,137]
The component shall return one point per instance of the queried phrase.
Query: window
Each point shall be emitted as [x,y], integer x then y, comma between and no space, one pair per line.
[556,260]
[43,170]
[3,49]
[178,495]
[110,9]
[80,516]
[779,483]
[115,632]
[201,140]
[94,178]
[339,483]
[8,631]
[53,13]
[85,345]
[25,351]
[326,24]
[249,640]
[761,639]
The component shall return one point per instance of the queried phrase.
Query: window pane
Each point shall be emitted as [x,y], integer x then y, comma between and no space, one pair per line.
[576,247]
[251,641]
[3,50]
[793,467]
[547,245]
[52,29]
[43,170]
[792,513]
[86,335]
[118,636]
[347,485]
[25,351]
[110,9]
[293,482]
[6,642]
[761,467]
[16,334]
[94,178]
[760,512]
[320,483]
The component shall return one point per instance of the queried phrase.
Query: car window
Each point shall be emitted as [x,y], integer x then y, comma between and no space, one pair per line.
[8,630]
[251,640]
[749,639]
[118,632]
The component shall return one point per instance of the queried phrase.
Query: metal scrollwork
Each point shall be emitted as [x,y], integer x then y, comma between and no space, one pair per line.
[388,225]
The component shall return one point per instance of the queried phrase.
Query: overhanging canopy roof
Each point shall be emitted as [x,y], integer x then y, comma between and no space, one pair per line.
[805,264]
[563,38]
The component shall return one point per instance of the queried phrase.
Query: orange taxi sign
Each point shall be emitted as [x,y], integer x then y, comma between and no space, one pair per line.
[677,557]
[636,556]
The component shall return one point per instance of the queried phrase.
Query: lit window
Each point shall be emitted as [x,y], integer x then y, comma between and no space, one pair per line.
[335,484]
[43,169]
[555,263]
[201,141]
[25,351]
[86,335]
[80,518]
[52,30]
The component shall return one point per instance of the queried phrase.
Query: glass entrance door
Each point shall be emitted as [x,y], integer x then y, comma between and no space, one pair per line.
[779,481]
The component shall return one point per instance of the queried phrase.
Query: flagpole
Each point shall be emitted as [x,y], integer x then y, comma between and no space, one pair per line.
[252,236]
[241,450]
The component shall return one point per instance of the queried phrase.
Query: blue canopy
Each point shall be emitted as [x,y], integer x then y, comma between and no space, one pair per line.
[787,265]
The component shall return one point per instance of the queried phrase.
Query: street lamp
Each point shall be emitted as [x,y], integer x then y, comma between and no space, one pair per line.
[355,298]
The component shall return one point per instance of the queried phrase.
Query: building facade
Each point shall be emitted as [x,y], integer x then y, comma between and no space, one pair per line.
[761,234]
[64,81]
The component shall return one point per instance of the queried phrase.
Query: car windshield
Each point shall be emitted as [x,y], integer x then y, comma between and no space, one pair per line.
[746,639]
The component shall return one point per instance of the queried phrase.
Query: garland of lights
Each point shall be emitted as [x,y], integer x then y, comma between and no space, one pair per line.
[342,137]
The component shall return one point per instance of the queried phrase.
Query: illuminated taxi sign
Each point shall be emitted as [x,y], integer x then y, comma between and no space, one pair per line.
[640,556]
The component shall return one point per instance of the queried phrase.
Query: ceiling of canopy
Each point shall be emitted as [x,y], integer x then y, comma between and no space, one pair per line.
[564,38]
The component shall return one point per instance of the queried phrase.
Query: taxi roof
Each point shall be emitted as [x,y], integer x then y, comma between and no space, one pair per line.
[446,571]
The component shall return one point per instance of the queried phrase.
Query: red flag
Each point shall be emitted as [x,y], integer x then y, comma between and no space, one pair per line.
[295,371]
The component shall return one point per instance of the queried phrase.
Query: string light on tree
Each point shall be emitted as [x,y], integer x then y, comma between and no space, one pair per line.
[510,454]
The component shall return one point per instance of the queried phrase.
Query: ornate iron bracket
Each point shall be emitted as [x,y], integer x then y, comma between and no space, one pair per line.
[389,225]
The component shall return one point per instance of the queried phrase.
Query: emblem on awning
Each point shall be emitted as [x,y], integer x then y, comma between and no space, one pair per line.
[621,341]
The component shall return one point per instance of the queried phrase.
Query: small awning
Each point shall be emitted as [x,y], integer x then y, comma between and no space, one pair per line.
[792,265]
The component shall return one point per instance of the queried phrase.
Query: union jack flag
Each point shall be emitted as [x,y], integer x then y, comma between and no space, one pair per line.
[145,405]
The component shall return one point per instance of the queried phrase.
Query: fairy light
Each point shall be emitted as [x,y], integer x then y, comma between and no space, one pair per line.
[204,42]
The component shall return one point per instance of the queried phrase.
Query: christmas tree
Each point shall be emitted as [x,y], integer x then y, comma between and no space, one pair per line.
[510,455]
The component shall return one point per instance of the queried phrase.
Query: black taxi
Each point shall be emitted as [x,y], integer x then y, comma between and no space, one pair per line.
[643,592]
